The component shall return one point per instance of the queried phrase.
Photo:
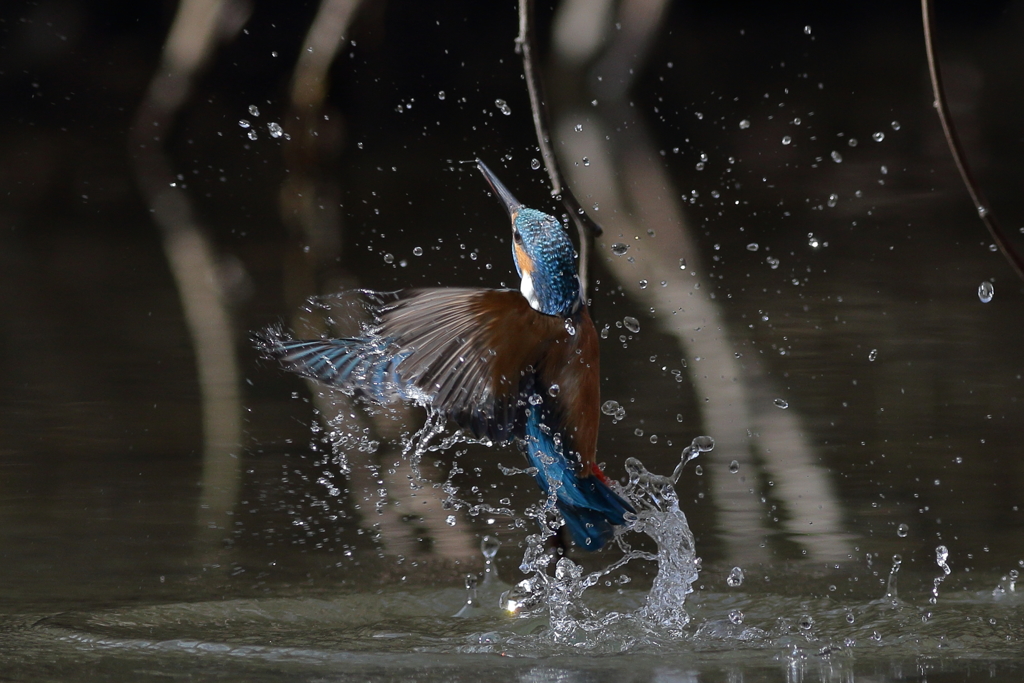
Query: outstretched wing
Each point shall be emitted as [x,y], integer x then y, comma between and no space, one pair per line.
[466,350]
[462,351]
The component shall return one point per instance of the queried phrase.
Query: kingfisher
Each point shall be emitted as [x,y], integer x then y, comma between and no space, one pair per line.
[504,365]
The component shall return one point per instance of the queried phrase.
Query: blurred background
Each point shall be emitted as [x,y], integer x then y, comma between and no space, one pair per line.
[783,224]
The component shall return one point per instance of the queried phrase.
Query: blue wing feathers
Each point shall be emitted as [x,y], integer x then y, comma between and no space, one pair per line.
[358,365]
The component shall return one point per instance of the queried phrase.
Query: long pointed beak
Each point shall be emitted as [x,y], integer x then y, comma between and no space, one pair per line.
[512,205]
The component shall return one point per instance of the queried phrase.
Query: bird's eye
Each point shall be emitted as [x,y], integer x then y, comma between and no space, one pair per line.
[517,236]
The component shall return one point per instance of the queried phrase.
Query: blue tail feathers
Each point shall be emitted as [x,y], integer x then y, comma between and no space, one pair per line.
[588,506]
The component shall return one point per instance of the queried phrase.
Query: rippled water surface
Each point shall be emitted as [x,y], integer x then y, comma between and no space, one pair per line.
[397,634]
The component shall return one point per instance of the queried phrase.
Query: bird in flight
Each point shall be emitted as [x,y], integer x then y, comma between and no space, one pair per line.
[504,365]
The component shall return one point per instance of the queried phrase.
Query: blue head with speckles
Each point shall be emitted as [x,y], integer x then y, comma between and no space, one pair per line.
[546,262]
[544,255]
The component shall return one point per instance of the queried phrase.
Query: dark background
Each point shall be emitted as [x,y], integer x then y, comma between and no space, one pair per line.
[99,401]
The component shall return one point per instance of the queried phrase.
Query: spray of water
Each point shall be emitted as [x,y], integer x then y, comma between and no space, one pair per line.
[657,516]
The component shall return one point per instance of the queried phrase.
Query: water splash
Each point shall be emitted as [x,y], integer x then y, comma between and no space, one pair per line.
[890,587]
[1007,586]
[657,516]
[482,590]
[941,557]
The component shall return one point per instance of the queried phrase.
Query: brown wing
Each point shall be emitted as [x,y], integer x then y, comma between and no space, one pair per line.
[466,351]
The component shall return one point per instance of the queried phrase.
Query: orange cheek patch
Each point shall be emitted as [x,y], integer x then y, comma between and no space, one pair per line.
[525,264]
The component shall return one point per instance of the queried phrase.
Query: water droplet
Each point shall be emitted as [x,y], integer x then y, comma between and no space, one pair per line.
[450,520]
[534,164]
[553,390]
[586,161]
[699,166]
[698,470]
[489,547]
[703,443]
[902,530]
[812,241]
[643,284]
[786,139]
[735,578]
[619,248]
[254,110]
[773,262]
[734,466]
[610,407]
[243,123]
[596,207]
[605,330]
[417,251]
[850,618]
[807,30]
[389,258]
[503,107]
[275,130]
[578,128]
[570,327]
[252,134]
[986,291]
[535,399]
[682,264]
[878,137]
[753,246]
[566,570]
[781,403]
[873,354]
[895,125]
[806,622]
[359,145]
[837,157]
[833,199]
[736,617]
[852,142]
[631,324]
[982,211]
[744,124]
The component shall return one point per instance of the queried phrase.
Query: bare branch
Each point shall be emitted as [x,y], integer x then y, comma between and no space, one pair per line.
[587,228]
[956,149]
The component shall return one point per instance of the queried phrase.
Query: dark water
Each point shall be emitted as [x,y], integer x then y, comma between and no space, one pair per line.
[156,523]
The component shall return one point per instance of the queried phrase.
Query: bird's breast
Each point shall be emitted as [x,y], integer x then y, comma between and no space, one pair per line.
[572,363]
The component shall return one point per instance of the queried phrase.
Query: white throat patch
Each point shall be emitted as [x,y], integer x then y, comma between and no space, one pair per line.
[526,287]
